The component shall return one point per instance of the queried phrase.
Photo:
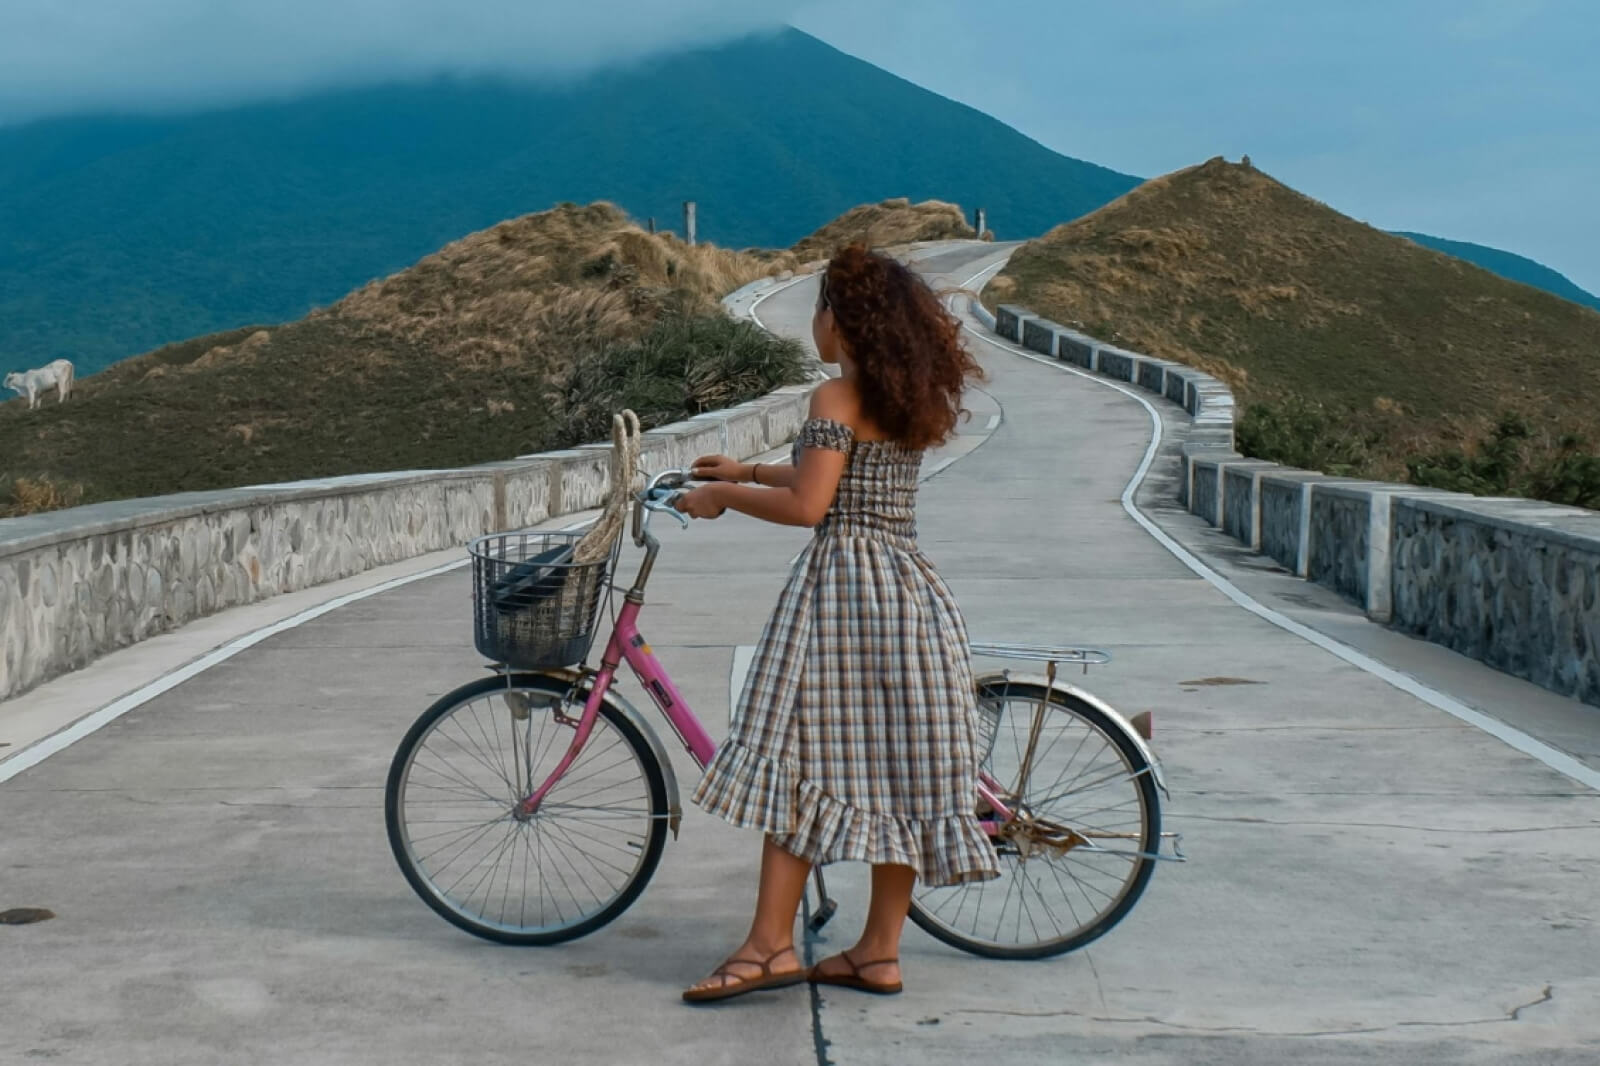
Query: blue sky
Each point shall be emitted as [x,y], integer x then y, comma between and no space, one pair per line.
[1476,120]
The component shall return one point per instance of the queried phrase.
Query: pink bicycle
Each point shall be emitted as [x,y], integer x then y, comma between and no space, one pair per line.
[532,806]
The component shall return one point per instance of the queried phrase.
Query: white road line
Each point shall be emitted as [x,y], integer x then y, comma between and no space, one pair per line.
[993,268]
[773,292]
[994,420]
[34,754]
[1554,758]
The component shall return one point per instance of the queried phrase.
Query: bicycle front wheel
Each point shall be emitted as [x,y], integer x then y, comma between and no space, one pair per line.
[576,863]
[1078,856]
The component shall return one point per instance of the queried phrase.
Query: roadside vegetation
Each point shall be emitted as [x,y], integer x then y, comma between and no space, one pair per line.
[1351,350]
[509,341]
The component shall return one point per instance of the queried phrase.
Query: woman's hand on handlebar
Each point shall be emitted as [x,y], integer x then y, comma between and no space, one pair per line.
[719,468]
[703,502]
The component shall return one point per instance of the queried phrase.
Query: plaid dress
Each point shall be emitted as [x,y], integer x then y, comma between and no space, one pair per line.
[854,737]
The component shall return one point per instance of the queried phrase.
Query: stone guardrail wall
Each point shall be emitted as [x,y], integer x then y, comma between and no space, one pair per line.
[78,583]
[1512,582]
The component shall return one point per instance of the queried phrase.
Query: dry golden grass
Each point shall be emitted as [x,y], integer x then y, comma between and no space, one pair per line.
[450,362]
[532,282]
[885,225]
[31,495]
[462,358]
[1346,341]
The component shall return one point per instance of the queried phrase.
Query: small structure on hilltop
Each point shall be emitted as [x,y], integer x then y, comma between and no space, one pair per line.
[30,383]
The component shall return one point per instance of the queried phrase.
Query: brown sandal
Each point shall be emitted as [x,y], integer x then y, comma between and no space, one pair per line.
[853,979]
[740,986]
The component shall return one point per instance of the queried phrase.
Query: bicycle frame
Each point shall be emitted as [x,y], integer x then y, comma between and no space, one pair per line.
[627,644]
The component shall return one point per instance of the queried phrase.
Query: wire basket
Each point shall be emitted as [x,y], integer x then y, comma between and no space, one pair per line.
[533,607]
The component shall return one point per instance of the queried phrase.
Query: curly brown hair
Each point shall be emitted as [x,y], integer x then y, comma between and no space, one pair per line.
[905,344]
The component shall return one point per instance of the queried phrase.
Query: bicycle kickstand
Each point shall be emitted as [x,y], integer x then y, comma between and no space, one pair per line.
[826,908]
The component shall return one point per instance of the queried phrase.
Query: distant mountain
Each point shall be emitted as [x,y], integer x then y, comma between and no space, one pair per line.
[119,234]
[1510,265]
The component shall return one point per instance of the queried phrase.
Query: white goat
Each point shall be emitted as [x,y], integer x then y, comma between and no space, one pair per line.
[30,383]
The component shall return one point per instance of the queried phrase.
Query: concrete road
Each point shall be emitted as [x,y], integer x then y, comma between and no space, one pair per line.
[1371,880]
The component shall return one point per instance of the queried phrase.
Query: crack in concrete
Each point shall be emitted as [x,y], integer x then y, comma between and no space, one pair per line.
[1547,995]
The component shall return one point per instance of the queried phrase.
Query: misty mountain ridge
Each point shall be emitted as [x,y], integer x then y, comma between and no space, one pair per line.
[124,233]
[129,232]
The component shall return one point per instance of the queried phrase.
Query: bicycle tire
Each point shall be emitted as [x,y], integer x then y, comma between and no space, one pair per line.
[1139,774]
[551,691]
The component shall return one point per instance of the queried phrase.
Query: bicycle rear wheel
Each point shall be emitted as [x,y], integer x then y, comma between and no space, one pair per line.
[1078,859]
[576,863]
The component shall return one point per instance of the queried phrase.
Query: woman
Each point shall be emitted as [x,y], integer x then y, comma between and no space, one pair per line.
[854,736]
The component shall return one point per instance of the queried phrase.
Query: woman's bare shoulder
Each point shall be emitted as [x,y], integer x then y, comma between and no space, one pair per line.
[837,400]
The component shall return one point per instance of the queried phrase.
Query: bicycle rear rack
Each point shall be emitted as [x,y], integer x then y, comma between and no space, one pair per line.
[1053,654]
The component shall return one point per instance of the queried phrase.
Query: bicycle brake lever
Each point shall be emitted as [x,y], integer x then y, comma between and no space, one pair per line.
[664,505]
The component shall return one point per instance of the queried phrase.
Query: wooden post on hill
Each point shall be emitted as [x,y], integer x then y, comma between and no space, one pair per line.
[688,221]
[980,221]
[651,223]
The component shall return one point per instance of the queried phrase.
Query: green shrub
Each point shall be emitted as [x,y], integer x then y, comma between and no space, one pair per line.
[685,365]
[1512,461]
[1303,433]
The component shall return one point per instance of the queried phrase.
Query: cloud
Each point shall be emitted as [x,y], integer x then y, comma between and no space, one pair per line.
[62,56]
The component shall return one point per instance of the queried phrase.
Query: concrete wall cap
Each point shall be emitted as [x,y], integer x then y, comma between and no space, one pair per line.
[30,532]
[1213,462]
[1291,476]
[1351,488]
[1572,527]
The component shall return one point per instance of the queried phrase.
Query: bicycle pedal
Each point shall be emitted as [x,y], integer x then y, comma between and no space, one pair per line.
[828,909]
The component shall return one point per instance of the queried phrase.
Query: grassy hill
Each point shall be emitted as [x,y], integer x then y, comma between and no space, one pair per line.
[885,225]
[519,338]
[125,233]
[1354,350]
[1510,265]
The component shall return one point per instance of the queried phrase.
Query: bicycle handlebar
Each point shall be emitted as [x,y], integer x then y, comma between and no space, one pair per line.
[659,495]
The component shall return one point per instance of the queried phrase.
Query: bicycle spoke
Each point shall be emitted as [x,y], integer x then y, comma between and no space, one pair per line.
[474,823]
[546,831]
[487,878]
[467,896]
[575,859]
[539,833]
[1080,782]
[595,863]
[458,854]
[454,775]
[1000,921]
[475,756]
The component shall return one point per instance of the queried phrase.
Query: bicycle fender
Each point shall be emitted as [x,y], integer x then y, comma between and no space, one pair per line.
[1116,716]
[631,713]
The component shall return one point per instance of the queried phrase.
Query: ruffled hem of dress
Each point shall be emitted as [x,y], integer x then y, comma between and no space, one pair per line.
[748,789]
[944,851]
